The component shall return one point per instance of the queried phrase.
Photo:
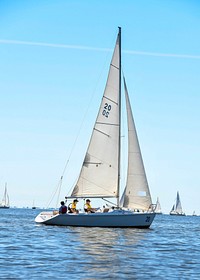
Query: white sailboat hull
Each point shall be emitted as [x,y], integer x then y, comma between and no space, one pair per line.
[177,214]
[117,218]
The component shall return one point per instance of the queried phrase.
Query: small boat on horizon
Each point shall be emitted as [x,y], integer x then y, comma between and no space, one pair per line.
[158,209]
[194,213]
[5,204]
[33,207]
[177,207]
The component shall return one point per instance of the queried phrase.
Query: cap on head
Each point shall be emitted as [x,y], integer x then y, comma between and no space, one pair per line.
[62,203]
[87,200]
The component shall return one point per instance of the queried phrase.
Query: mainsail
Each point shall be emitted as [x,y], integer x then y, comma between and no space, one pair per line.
[178,204]
[99,173]
[136,194]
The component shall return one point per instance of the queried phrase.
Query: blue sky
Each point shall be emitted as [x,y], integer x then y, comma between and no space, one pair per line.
[54,58]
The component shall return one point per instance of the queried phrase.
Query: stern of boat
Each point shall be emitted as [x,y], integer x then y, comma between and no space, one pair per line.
[45,216]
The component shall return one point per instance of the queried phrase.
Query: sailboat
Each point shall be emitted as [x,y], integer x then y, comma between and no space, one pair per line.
[194,213]
[33,207]
[158,207]
[177,207]
[100,174]
[5,201]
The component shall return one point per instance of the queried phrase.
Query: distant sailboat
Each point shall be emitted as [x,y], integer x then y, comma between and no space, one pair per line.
[5,201]
[177,207]
[33,207]
[100,173]
[158,207]
[194,213]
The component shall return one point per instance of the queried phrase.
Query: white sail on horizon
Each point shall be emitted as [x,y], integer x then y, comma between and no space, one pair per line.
[178,204]
[158,209]
[177,207]
[5,201]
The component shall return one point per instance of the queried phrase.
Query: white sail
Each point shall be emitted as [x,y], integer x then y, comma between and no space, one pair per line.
[173,209]
[158,207]
[5,201]
[178,204]
[136,194]
[99,173]
[177,207]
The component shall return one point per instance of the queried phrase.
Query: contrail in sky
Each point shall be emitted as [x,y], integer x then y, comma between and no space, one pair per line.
[79,47]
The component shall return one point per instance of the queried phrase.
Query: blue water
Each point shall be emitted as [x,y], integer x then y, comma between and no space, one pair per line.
[170,249]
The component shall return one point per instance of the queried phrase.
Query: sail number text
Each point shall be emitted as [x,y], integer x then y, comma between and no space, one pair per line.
[147,219]
[106,110]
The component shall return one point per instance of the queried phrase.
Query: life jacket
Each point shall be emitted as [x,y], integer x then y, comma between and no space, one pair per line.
[64,209]
[87,206]
[73,205]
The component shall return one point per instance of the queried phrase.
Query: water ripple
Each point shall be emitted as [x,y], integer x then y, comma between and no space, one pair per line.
[170,249]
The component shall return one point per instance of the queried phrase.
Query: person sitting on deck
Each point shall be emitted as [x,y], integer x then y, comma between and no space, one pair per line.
[63,208]
[72,208]
[88,208]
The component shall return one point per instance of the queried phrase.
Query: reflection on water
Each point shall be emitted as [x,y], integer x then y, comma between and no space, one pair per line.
[170,249]
[108,247]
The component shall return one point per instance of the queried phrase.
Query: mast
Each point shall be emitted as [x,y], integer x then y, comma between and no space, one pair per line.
[5,194]
[119,151]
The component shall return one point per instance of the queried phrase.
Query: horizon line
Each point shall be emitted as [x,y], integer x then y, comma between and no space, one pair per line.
[88,48]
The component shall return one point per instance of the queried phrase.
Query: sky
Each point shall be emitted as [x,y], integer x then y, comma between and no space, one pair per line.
[54,59]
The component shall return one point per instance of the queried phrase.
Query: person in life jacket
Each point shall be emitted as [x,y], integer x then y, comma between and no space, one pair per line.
[88,208]
[63,208]
[72,207]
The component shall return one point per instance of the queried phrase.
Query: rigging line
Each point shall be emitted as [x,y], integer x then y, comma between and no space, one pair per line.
[77,136]
[80,128]
[84,117]
[53,195]
[59,189]
[109,201]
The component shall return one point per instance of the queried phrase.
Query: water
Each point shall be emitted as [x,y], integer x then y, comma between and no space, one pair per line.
[170,249]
